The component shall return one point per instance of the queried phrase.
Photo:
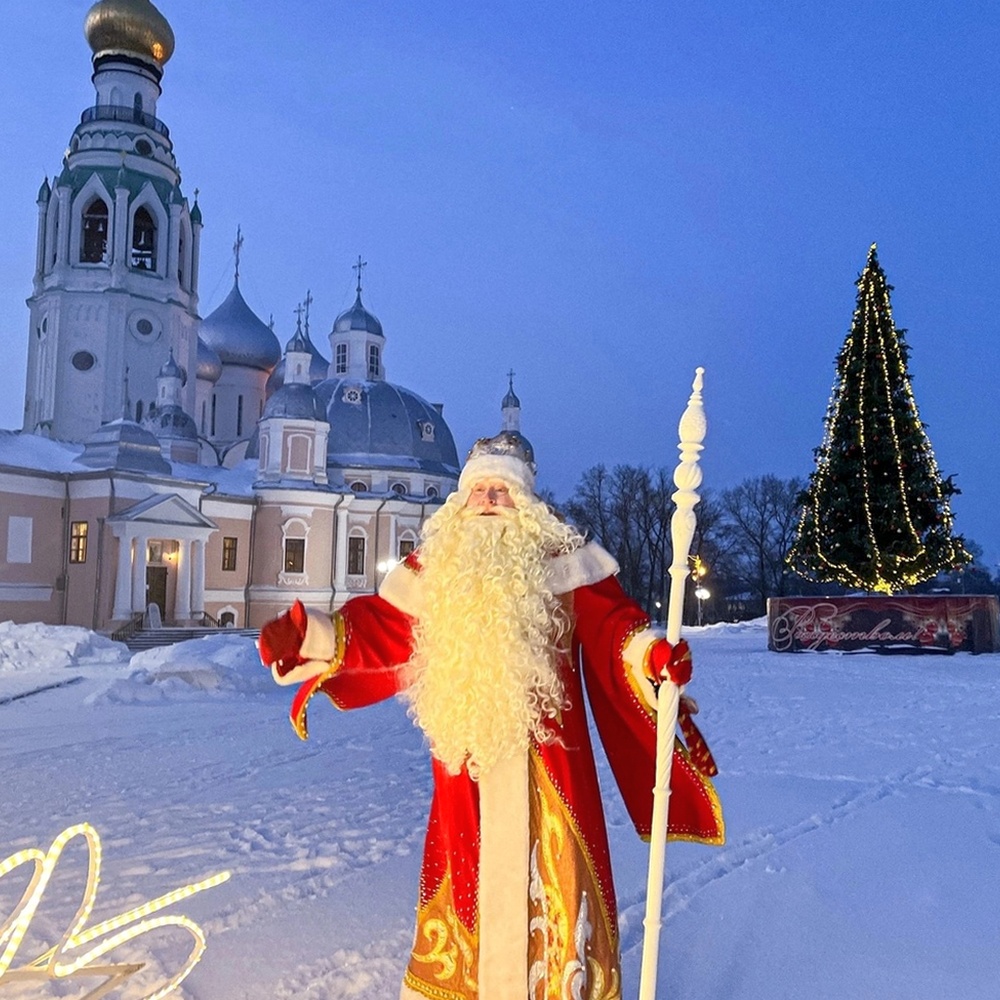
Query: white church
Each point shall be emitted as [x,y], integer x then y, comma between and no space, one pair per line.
[196,470]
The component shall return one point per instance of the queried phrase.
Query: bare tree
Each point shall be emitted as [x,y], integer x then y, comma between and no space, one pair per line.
[756,529]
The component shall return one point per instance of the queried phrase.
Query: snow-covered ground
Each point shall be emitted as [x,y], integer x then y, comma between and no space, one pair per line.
[862,798]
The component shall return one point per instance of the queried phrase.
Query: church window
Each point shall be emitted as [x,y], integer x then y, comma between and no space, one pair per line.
[406,546]
[352,395]
[373,366]
[239,416]
[215,401]
[180,258]
[359,487]
[83,361]
[95,233]
[432,491]
[204,410]
[295,555]
[399,489]
[144,326]
[143,241]
[229,543]
[19,531]
[227,619]
[142,147]
[78,542]
[356,556]
[138,412]
[341,362]
[137,107]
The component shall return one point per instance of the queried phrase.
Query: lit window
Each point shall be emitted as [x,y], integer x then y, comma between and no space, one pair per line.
[406,546]
[78,542]
[229,553]
[295,555]
[356,556]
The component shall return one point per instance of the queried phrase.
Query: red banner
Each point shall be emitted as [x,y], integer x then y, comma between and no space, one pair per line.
[944,624]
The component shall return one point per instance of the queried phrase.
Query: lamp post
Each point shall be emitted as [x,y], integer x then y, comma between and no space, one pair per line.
[702,594]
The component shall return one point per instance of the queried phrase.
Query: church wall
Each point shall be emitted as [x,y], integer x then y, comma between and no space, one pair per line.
[87,582]
[31,565]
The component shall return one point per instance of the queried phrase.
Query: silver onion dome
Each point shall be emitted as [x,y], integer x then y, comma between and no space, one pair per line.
[209,363]
[357,318]
[238,336]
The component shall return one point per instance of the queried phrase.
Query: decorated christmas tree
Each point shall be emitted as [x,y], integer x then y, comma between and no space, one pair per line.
[876,513]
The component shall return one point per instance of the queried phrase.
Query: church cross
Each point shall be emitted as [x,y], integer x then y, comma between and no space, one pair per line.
[237,247]
[299,310]
[358,267]
[308,303]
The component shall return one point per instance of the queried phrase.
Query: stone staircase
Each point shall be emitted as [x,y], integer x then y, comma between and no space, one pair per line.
[150,638]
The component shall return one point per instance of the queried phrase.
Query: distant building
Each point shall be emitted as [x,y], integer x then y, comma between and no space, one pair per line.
[187,463]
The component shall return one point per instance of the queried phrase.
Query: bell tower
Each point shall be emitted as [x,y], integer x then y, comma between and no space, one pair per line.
[116,269]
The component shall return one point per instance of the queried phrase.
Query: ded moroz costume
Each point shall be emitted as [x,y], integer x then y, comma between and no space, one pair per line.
[516,898]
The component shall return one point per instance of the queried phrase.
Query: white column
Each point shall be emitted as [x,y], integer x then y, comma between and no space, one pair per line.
[62,240]
[198,575]
[340,574]
[182,600]
[393,554]
[123,590]
[139,575]
[174,244]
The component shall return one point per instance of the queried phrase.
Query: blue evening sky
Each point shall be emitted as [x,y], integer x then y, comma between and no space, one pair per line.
[600,195]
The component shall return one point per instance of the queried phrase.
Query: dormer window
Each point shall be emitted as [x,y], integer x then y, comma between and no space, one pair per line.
[143,241]
[373,361]
[426,430]
[95,233]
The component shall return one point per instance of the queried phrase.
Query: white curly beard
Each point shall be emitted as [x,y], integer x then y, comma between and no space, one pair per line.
[484,671]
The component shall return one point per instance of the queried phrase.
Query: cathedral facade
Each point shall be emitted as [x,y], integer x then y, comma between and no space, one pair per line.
[198,470]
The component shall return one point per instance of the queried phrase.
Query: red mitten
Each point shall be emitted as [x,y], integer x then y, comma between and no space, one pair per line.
[668,662]
[281,639]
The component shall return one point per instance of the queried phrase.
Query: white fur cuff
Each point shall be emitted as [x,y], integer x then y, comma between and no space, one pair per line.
[320,642]
[303,672]
[633,656]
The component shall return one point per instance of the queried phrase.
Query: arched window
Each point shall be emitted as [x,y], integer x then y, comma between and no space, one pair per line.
[143,241]
[137,107]
[180,258]
[95,233]
[138,412]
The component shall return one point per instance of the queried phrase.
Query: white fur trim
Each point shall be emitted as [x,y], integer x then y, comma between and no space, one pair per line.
[506,467]
[580,568]
[320,642]
[402,589]
[635,652]
[503,880]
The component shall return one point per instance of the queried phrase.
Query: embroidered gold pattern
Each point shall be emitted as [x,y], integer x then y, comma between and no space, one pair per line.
[572,947]
[443,964]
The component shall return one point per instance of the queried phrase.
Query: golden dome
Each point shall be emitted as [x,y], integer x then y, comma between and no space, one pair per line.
[132,26]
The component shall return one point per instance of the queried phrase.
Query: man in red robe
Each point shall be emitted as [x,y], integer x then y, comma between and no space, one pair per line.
[485,633]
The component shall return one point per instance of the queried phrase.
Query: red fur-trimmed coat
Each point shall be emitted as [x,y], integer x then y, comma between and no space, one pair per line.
[562,885]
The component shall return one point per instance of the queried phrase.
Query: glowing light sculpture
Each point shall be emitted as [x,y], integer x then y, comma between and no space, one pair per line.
[57,962]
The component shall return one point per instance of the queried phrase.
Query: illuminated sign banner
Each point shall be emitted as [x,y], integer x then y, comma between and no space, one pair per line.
[946,623]
[60,962]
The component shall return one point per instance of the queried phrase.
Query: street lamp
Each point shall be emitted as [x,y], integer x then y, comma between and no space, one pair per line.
[703,594]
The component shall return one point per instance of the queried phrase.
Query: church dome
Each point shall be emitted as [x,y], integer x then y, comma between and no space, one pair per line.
[131,27]
[319,367]
[171,422]
[384,426]
[295,402]
[357,318]
[238,336]
[209,364]
[171,369]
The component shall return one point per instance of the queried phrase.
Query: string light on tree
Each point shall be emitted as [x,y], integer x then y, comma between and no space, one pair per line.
[876,513]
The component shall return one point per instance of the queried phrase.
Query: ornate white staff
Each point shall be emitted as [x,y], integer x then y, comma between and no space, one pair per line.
[687,479]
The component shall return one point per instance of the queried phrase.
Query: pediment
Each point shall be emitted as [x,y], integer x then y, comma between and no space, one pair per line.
[168,509]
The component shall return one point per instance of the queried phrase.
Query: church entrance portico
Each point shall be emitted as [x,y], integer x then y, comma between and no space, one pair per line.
[161,559]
